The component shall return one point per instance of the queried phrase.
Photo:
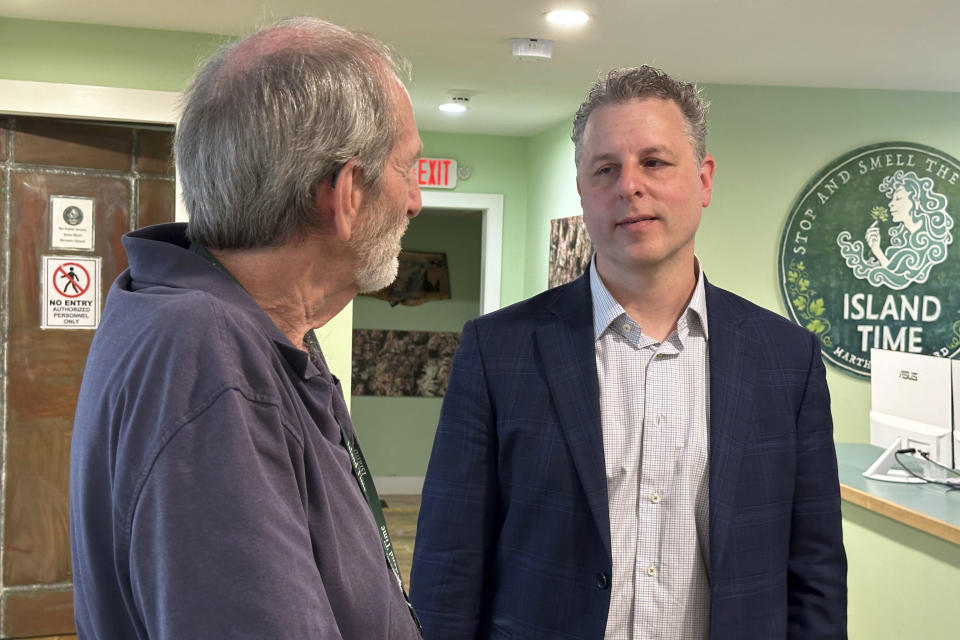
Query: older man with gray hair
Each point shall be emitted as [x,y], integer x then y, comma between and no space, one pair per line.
[217,488]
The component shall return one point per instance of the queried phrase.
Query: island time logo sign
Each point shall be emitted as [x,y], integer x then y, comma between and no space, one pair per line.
[868,257]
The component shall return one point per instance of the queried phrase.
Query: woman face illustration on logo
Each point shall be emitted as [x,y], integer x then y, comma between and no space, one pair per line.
[918,238]
[901,209]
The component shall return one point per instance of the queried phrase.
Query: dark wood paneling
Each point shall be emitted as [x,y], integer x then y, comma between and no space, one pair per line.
[44,372]
[72,143]
[155,152]
[38,613]
[44,367]
[156,202]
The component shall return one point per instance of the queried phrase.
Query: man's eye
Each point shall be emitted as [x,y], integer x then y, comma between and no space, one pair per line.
[603,171]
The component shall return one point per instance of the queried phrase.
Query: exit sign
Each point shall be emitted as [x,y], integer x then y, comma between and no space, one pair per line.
[437,173]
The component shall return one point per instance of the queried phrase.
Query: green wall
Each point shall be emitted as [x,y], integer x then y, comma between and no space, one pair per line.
[768,141]
[552,194]
[902,583]
[397,433]
[100,55]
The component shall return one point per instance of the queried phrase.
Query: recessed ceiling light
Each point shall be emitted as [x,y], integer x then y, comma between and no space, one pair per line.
[456,104]
[567,17]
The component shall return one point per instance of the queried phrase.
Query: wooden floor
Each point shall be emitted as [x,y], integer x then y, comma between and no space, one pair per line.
[401,516]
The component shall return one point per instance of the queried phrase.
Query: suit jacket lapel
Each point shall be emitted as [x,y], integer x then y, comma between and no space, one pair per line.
[565,345]
[734,357]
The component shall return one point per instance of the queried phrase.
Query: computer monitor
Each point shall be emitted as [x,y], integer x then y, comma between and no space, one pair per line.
[911,400]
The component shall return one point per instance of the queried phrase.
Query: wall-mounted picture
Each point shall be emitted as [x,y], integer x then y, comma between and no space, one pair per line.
[422,277]
[402,363]
[570,250]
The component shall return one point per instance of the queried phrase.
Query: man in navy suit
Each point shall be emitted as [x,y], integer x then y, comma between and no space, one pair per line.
[637,454]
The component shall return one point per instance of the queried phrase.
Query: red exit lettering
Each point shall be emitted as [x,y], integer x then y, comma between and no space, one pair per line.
[438,173]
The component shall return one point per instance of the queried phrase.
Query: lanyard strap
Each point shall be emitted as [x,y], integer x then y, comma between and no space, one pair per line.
[361,472]
[360,469]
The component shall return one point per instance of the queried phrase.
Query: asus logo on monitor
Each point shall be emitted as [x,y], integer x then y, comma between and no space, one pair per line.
[908,375]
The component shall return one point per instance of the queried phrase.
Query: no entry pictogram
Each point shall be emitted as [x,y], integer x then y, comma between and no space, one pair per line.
[71,277]
[71,292]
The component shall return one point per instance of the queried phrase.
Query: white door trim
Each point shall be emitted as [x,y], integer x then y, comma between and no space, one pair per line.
[491,243]
[22,97]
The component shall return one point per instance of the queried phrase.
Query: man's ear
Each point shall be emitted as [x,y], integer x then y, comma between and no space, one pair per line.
[706,180]
[339,199]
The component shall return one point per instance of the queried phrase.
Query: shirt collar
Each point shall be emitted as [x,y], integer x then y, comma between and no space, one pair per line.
[162,255]
[606,309]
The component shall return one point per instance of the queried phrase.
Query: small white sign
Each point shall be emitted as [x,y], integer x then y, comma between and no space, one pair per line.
[71,292]
[71,223]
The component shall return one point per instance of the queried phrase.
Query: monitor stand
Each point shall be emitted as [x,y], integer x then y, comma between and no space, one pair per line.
[887,469]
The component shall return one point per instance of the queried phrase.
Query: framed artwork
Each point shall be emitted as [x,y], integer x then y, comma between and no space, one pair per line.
[570,250]
[422,277]
[402,363]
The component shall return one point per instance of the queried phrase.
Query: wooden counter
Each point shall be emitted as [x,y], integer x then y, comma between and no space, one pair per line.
[930,508]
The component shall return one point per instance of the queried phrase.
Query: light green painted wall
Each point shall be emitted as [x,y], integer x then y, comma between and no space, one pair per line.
[552,194]
[902,583]
[100,55]
[499,166]
[397,433]
[768,141]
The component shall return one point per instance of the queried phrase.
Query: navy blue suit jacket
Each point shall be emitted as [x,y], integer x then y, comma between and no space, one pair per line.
[513,538]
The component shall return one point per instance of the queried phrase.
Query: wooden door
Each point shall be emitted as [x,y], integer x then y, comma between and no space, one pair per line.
[69,190]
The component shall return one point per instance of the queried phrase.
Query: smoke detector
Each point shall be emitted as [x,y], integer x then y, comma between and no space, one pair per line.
[457,103]
[531,49]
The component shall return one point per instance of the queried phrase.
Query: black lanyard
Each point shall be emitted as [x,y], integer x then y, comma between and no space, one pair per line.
[360,469]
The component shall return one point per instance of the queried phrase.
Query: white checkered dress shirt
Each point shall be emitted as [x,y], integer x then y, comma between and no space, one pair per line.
[654,410]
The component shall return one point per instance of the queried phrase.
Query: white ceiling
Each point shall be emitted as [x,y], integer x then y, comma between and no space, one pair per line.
[875,44]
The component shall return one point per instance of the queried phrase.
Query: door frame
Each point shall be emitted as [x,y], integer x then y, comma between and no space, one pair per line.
[490,206]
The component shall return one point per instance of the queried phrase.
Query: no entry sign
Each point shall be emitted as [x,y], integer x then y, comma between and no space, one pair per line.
[71,292]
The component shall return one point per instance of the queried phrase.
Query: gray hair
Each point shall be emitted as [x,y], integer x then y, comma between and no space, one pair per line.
[268,118]
[638,83]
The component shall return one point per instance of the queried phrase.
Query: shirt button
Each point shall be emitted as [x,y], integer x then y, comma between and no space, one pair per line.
[652,571]
[603,581]
[627,326]
[655,497]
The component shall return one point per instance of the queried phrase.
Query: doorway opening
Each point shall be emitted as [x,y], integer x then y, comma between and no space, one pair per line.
[402,354]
